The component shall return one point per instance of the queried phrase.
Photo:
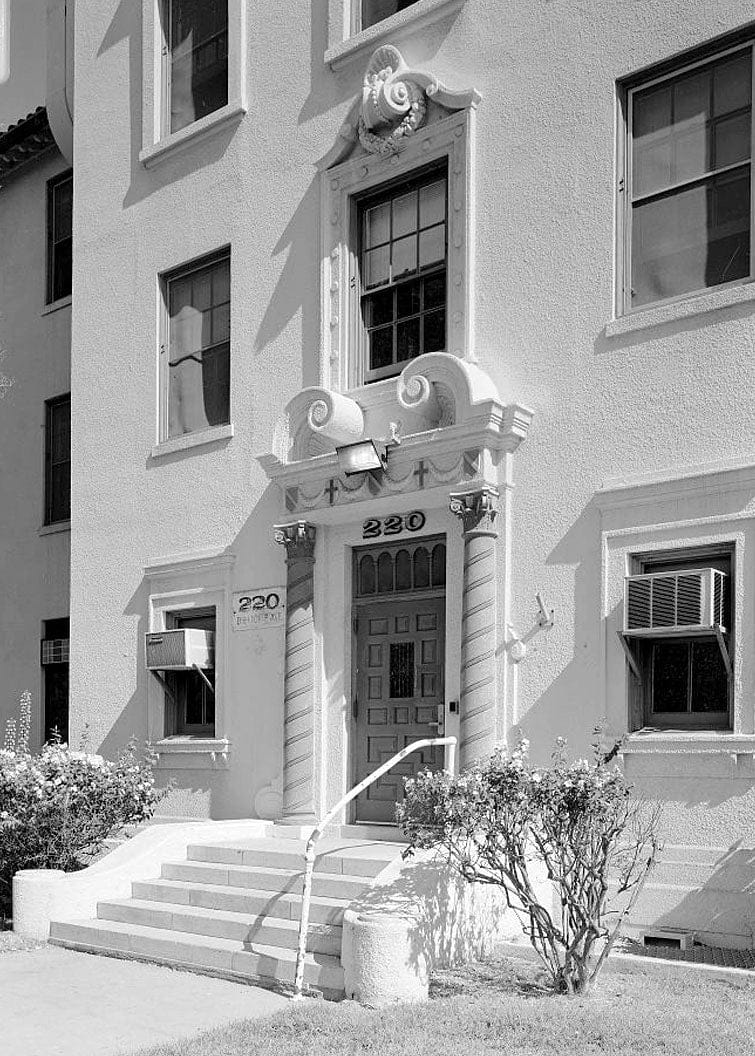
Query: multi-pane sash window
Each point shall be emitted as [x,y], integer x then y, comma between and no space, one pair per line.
[59,237]
[198,347]
[372,11]
[58,460]
[403,274]
[685,681]
[690,180]
[196,54]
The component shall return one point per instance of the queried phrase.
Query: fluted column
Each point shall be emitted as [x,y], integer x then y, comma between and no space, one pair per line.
[299,688]
[477,708]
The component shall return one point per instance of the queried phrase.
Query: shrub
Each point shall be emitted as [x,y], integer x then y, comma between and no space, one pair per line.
[504,821]
[58,808]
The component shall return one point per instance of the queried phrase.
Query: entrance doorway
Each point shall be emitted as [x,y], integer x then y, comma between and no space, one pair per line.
[399,660]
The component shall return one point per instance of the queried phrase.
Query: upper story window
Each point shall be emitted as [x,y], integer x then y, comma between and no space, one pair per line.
[195,51]
[58,459]
[684,678]
[689,201]
[371,11]
[402,254]
[59,236]
[196,375]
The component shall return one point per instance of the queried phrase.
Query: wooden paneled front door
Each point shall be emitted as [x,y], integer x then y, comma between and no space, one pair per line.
[400,649]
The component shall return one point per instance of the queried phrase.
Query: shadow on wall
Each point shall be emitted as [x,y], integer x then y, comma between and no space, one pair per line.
[451,920]
[295,291]
[573,702]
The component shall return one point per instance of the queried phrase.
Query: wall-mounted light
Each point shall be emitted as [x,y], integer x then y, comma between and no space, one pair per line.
[363,457]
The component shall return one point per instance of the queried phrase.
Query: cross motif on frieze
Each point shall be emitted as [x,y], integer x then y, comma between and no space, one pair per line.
[421,472]
[331,491]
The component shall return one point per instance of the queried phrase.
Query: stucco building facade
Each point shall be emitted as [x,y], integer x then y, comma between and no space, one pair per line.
[508,254]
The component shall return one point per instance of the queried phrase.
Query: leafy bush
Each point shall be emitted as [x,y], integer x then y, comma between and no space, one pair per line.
[505,822]
[58,808]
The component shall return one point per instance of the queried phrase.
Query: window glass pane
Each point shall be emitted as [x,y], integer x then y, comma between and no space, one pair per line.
[381,348]
[709,681]
[439,565]
[693,239]
[376,10]
[63,210]
[376,267]
[385,573]
[221,282]
[691,150]
[403,570]
[198,36]
[651,165]
[421,568]
[366,575]
[670,676]
[401,669]
[432,246]
[435,291]
[221,324]
[731,84]
[692,96]
[435,331]
[652,111]
[731,140]
[379,308]
[432,203]
[407,299]
[404,257]
[407,340]
[404,214]
[377,228]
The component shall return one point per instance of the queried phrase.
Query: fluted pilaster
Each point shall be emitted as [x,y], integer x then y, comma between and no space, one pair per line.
[298,701]
[477,512]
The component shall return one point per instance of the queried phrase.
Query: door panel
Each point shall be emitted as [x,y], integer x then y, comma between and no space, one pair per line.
[400,654]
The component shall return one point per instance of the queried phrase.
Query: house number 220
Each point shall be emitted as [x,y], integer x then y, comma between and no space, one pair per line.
[374,527]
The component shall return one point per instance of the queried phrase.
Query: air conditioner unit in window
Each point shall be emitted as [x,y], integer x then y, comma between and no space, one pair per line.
[54,651]
[686,602]
[179,650]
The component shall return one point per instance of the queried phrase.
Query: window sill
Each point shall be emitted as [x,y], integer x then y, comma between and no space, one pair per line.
[689,742]
[425,11]
[55,306]
[55,528]
[710,301]
[190,440]
[183,753]
[193,133]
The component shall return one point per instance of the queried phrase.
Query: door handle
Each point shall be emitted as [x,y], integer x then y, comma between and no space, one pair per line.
[440,725]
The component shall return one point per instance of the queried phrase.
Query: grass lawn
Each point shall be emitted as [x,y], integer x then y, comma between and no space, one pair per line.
[499,1008]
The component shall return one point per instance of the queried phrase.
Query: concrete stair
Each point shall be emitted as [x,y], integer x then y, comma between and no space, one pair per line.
[233,910]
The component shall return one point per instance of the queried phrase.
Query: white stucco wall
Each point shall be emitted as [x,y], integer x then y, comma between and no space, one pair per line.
[34,567]
[667,397]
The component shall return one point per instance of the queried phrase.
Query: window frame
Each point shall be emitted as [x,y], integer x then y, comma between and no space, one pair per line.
[413,180]
[641,691]
[51,243]
[357,16]
[672,71]
[49,512]
[164,281]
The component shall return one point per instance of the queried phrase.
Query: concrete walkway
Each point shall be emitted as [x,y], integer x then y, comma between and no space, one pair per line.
[59,1003]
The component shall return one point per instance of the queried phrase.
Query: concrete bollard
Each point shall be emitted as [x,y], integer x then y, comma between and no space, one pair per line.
[36,894]
[382,959]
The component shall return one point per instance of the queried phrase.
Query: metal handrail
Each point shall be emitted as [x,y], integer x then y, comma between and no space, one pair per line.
[309,854]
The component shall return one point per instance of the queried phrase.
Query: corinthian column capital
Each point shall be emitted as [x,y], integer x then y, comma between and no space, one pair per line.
[476,510]
[298,537]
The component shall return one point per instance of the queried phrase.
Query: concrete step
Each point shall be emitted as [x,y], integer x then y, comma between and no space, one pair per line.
[268,931]
[221,897]
[255,963]
[350,857]
[332,885]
